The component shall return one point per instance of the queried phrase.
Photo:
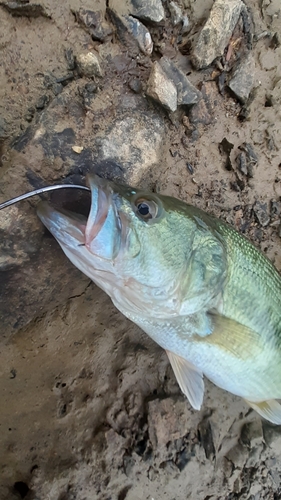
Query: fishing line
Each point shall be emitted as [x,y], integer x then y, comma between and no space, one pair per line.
[41,191]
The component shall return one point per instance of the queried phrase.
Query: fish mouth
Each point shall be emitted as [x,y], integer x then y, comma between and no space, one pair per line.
[98,233]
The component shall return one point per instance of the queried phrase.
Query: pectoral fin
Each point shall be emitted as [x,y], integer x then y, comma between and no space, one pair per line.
[270,410]
[233,337]
[189,379]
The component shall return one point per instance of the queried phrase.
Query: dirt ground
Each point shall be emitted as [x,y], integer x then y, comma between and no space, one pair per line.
[89,406]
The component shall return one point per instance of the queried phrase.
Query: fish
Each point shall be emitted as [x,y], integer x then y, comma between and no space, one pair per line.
[190,281]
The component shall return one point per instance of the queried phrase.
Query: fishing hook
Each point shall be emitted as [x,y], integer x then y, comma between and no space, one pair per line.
[40,191]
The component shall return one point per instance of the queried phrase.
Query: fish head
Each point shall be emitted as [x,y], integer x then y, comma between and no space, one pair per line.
[135,245]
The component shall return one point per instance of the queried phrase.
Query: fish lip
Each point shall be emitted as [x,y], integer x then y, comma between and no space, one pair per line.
[66,226]
[93,228]
[106,198]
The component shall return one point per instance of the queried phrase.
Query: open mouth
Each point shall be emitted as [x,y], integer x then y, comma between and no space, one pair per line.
[95,228]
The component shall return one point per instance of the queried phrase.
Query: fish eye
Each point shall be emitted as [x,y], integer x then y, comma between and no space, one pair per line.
[146,209]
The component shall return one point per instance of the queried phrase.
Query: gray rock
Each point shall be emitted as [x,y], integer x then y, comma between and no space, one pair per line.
[148,10]
[261,213]
[25,9]
[206,438]
[225,148]
[217,31]
[252,434]
[185,25]
[88,64]
[70,59]
[161,88]
[132,33]
[272,437]
[95,23]
[247,159]
[42,102]
[243,79]
[187,94]
[140,33]
[238,455]
[135,85]
[176,13]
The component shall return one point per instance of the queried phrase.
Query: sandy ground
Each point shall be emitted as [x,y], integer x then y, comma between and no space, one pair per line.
[89,405]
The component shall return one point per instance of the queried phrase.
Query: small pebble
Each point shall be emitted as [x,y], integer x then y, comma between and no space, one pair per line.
[88,64]
[190,168]
[70,59]
[77,149]
[42,101]
[135,85]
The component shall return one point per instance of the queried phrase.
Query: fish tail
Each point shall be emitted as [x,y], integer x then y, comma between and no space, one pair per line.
[270,410]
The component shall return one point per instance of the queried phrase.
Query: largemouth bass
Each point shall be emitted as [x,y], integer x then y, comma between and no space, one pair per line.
[197,287]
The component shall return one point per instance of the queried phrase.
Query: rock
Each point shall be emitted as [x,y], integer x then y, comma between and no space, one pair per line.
[206,438]
[204,111]
[132,33]
[135,85]
[242,163]
[185,25]
[70,59]
[238,455]
[140,33]
[161,88]
[190,168]
[88,93]
[176,13]
[57,88]
[168,420]
[187,94]
[254,457]
[275,208]
[226,147]
[65,79]
[42,102]
[88,64]
[217,32]
[133,143]
[200,114]
[148,10]
[272,437]
[243,79]
[247,159]
[145,10]
[95,23]
[261,213]
[50,82]
[77,149]
[26,9]
[252,434]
